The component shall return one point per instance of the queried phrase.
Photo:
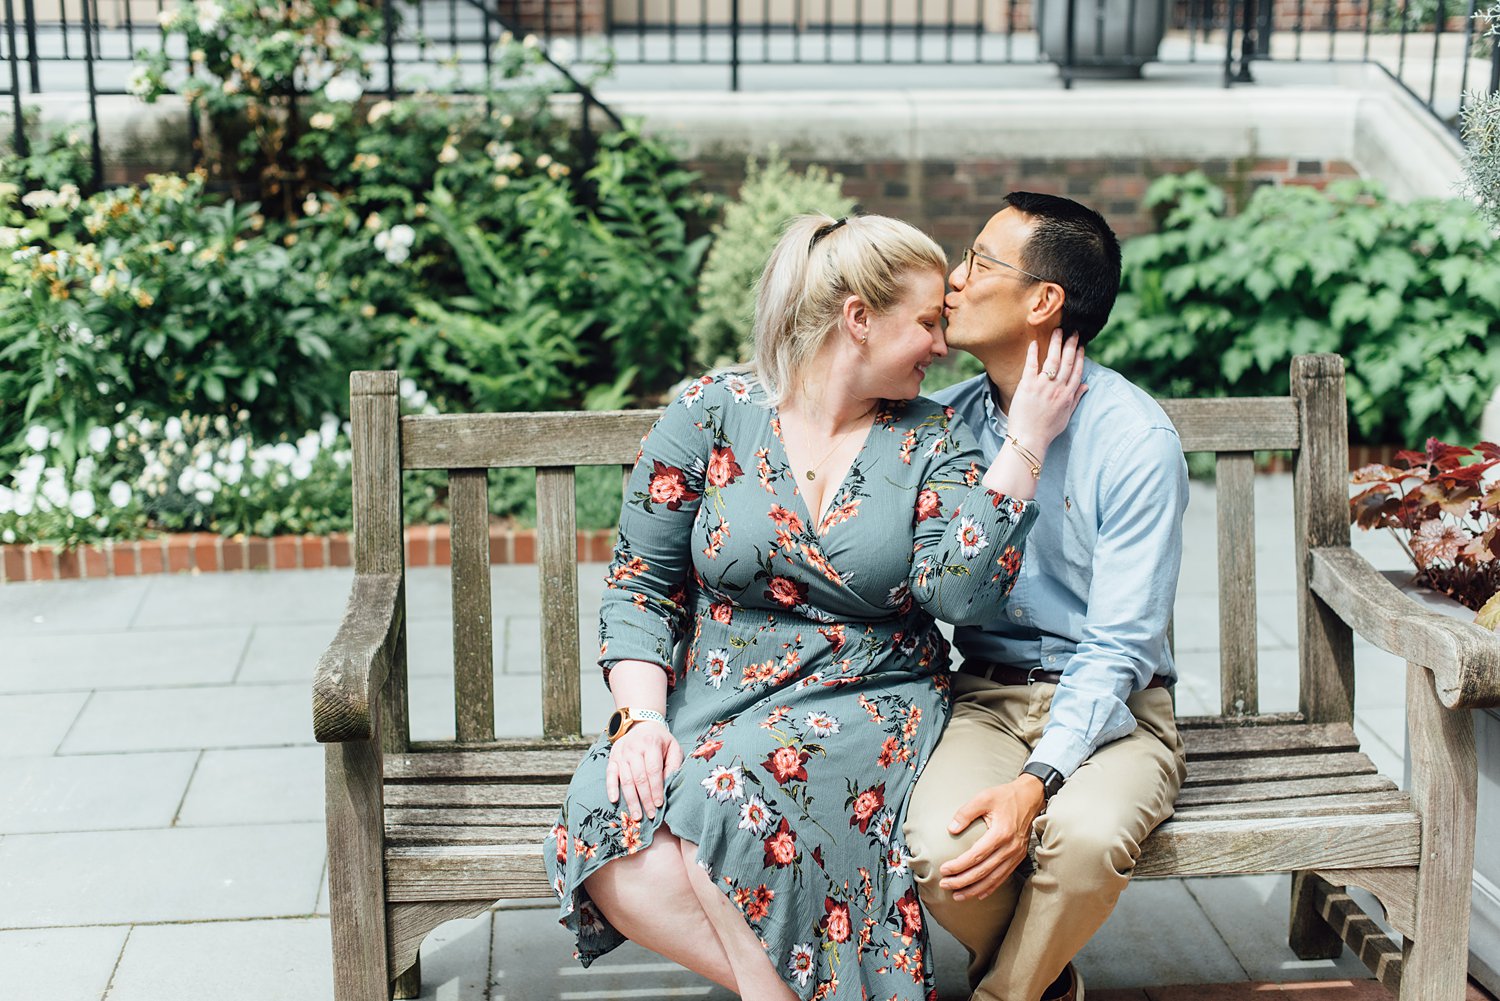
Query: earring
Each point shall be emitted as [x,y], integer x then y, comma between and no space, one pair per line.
[864,338]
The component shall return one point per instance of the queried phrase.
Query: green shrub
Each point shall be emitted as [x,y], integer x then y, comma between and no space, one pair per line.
[772,195]
[1408,293]
[1481,129]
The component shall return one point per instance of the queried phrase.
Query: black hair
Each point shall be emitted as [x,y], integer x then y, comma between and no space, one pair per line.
[1073,246]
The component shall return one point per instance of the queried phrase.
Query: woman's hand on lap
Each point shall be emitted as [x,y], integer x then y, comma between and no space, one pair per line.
[638,765]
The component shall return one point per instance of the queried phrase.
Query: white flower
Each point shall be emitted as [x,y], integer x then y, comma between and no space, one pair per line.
[54,491]
[81,504]
[725,783]
[185,480]
[9,237]
[204,496]
[236,450]
[323,120]
[301,468]
[38,200]
[715,666]
[885,825]
[562,52]
[172,429]
[543,162]
[379,110]
[448,153]
[822,724]
[896,859]
[755,816]
[403,235]
[284,452]
[120,493]
[209,14]
[343,89]
[328,431]
[971,537]
[7,536]
[166,19]
[84,471]
[529,42]
[36,437]
[800,963]
[139,81]
[99,439]
[7,500]
[25,504]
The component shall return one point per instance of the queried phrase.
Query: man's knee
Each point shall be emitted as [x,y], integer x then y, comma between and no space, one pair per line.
[1085,850]
[930,843]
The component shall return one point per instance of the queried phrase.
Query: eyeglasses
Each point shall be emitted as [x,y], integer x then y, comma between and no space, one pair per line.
[970,253]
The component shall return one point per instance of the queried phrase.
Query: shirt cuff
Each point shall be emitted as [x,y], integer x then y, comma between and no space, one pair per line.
[1061,749]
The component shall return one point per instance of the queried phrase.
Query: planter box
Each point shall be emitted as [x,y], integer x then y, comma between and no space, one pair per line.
[1484,921]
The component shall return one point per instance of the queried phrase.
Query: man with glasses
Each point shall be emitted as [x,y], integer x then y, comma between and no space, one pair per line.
[1062,723]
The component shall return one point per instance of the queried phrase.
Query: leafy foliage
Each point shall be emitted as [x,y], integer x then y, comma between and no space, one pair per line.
[1408,293]
[1481,131]
[770,197]
[1444,509]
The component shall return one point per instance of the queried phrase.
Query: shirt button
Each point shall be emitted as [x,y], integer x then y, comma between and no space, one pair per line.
[1017,613]
[1051,660]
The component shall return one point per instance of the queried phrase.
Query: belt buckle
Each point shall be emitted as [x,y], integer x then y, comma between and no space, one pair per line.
[1031,675]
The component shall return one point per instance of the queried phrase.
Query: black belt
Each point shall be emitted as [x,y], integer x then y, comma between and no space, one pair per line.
[1009,674]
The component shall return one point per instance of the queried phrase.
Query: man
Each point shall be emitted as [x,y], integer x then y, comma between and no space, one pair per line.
[1062,720]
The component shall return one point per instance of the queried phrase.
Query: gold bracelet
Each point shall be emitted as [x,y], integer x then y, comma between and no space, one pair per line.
[1026,456]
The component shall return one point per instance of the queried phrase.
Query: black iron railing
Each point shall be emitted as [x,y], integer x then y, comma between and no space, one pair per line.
[1437,49]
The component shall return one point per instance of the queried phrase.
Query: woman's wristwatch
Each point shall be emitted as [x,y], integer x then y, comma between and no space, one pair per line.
[623,718]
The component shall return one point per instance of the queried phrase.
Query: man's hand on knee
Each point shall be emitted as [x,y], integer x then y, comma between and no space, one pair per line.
[1007,811]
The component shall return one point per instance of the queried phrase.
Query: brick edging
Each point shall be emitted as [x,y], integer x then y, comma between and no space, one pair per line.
[204,552]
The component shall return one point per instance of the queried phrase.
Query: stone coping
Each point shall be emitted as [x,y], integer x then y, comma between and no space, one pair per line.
[204,552]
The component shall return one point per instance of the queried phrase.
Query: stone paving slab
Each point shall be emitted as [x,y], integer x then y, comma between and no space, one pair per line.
[1157,927]
[58,964]
[181,874]
[37,724]
[165,719]
[73,606]
[121,659]
[1256,909]
[92,793]
[239,599]
[227,961]
[273,785]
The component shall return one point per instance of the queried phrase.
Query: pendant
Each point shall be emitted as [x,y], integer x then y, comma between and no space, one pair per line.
[811,475]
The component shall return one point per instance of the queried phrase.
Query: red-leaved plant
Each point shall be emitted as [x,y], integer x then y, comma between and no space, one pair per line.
[1443,507]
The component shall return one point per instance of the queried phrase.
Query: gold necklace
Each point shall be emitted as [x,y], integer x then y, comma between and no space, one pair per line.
[812,473]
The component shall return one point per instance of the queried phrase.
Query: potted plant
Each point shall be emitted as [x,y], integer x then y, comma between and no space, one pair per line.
[1110,38]
[1443,506]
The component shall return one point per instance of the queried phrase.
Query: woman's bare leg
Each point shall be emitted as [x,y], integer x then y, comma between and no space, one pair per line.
[754,971]
[650,900]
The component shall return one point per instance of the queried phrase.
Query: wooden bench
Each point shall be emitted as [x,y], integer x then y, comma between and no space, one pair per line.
[424,832]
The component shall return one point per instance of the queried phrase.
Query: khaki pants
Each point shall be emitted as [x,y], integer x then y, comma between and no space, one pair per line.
[1022,935]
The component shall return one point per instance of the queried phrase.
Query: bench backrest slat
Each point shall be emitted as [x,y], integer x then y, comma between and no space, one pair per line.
[1235,483]
[557,566]
[1238,424]
[594,438]
[473,625]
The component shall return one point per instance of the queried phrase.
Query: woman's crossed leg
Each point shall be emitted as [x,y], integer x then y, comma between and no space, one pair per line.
[662,899]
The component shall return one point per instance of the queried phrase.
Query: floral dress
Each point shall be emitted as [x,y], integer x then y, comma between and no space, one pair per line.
[814,679]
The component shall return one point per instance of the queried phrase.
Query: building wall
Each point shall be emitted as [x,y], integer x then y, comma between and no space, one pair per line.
[950,199]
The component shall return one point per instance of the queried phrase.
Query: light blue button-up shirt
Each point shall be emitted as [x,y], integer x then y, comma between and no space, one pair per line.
[1099,575]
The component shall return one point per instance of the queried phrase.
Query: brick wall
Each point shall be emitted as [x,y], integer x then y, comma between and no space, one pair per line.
[951,199]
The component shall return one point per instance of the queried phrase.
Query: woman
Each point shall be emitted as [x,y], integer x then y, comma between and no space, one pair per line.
[800,527]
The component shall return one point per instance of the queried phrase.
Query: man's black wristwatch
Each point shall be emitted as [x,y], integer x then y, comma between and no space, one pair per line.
[1051,778]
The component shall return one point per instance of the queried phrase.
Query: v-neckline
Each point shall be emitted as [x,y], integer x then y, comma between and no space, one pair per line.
[838,488]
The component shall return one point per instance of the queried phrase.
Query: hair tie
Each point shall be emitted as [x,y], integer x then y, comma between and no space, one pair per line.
[824,230]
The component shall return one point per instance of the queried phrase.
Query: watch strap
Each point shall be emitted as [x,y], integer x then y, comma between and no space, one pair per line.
[1051,779]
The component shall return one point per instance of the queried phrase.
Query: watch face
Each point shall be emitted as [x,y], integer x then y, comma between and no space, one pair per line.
[615,719]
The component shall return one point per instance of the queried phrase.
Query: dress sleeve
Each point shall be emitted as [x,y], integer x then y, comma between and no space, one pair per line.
[645,607]
[966,547]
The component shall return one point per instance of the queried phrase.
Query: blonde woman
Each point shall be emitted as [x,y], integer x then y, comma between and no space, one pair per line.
[798,527]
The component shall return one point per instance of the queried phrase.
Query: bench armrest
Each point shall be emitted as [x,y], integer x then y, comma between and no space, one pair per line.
[1464,658]
[354,667]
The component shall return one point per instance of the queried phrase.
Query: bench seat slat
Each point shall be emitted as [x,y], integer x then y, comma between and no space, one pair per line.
[1280,844]
[539,764]
[475,794]
[1222,771]
[1261,792]
[489,816]
[1269,741]
[1390,801]
[407,834]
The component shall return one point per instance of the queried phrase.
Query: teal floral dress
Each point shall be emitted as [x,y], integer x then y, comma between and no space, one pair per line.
[814,680]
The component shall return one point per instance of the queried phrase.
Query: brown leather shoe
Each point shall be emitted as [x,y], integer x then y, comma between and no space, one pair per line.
[1067,987]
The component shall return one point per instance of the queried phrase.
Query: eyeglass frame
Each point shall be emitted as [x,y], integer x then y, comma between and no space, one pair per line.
[970,253]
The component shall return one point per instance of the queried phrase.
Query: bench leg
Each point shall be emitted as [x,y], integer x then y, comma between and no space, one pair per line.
[356,871]
[1309,935]
[408,984]
[1444,777]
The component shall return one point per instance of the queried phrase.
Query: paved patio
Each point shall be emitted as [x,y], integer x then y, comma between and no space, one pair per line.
[161,830]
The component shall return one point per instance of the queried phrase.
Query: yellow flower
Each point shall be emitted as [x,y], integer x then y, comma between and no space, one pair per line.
[58,288]
[143,298]
[290,239]
[367,311]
